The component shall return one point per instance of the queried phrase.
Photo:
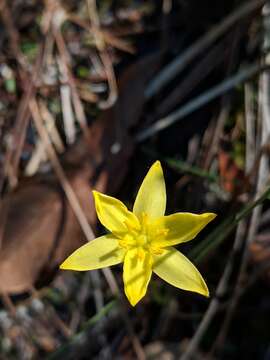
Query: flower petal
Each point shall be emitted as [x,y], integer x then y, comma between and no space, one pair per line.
[136,274]
[113,214]
[177,270]
[101,252]
[151,197]
[180,227]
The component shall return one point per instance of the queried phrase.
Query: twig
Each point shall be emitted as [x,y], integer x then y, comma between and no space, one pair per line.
[250,128]
[104,56]
[65,94]
[175,67]
[50,122]
[59,170]
[108,36]
[78,107]
[222,117]
[39,153]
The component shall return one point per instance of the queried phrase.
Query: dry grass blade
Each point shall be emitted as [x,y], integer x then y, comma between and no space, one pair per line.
[104,56]
[78,107]
[263,177]
[240,237]
[59,171]
[49,121]
[199,101]
[200,71]
[262,180]
[68,116]
[39,154]
[109,37]
[163,78]
[250,127]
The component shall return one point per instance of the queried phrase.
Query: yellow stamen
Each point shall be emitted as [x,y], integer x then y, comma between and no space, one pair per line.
[127,241]
[140,253]
[131,226]
[156,250]
[144,222]
[122,243]
[162,232]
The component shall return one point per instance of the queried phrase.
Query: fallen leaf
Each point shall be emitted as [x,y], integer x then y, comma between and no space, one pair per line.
[40,228]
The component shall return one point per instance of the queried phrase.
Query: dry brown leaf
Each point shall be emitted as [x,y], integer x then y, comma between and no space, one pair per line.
[40,228]
[40,231]
[232,177]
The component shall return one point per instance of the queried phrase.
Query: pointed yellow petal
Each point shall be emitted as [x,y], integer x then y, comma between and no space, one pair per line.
[180,227]
[151,197]
[136,274]
[101,252]
[113,214]
[177,270]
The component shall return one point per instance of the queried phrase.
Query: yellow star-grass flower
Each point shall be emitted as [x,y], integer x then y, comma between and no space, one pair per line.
[143,240]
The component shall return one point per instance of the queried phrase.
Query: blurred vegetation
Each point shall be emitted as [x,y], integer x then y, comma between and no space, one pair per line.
[91,93]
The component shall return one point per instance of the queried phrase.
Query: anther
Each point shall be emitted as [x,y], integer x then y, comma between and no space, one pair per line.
[162,232]
[156,250]
[122,243]
[130,225]
[144,221]
[140,253]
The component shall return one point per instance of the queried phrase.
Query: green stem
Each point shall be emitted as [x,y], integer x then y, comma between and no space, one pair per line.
[224,229]
[181,166]
[64,351]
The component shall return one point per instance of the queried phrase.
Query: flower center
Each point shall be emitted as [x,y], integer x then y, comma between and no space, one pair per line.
[143,239]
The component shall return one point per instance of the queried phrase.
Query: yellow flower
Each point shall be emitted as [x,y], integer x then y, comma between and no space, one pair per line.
[143,240]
